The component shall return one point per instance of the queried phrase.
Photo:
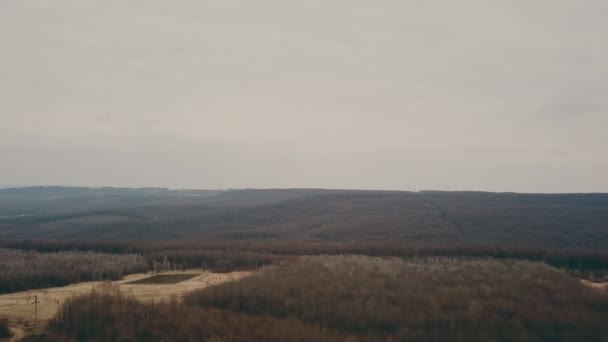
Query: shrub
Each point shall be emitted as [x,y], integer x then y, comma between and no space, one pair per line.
[5,332]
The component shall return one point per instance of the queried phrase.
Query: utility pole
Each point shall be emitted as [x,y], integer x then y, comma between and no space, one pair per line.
[35,308]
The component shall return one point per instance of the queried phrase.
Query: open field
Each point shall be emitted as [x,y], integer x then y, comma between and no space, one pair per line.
[18,307]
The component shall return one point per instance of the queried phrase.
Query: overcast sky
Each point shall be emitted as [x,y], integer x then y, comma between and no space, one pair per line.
[480,95]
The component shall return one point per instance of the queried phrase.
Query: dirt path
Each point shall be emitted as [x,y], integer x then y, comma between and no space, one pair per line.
[18,334]
[597,286]
[18,307]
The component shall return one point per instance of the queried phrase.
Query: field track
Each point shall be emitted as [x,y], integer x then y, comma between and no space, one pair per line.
[603,286]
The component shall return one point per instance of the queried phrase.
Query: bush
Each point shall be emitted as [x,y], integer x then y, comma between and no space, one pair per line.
[5,332]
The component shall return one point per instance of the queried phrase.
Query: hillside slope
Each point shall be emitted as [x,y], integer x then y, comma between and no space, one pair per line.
[561,220]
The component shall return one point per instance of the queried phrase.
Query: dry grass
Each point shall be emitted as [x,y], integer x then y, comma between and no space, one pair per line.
[18,308]
[602,286]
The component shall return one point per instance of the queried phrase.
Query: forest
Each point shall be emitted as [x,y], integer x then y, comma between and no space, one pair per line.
[23,270]
[225,256]
[352,298]
[532,220]
[313,264]
[310,291]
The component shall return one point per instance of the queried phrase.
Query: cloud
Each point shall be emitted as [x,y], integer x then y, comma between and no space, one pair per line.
[305,93]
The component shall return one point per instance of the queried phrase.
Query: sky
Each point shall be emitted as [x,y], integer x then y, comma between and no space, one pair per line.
[504,95]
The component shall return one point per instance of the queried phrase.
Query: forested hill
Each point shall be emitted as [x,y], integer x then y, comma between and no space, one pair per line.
[544,220]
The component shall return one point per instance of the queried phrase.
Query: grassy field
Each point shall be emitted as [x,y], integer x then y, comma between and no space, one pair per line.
[18,307]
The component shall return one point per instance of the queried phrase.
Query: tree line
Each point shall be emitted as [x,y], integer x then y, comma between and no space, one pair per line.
[226,256]
[23,270]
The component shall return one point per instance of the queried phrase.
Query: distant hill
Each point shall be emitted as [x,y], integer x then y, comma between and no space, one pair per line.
[56,199]
[49,192]
[543,220]
[63,200]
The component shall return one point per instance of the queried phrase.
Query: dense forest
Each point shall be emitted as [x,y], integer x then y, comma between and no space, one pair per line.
[328,298]
[23,270]
[108,315]
[534,220]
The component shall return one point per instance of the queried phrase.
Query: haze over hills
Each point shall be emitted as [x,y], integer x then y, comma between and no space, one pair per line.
[544,220]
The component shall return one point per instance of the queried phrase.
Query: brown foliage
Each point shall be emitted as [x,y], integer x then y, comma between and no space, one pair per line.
[331,298]
[421,299]
[233,255]
[21,270]
[216,260]
[106,315]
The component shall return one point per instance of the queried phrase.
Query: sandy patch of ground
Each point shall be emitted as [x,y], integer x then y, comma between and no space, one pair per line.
[597,286]
[19,309]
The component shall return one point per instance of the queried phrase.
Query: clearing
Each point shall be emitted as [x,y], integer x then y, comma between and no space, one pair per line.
[19,309]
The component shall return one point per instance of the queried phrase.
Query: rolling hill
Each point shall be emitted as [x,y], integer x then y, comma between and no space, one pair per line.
[544,220]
